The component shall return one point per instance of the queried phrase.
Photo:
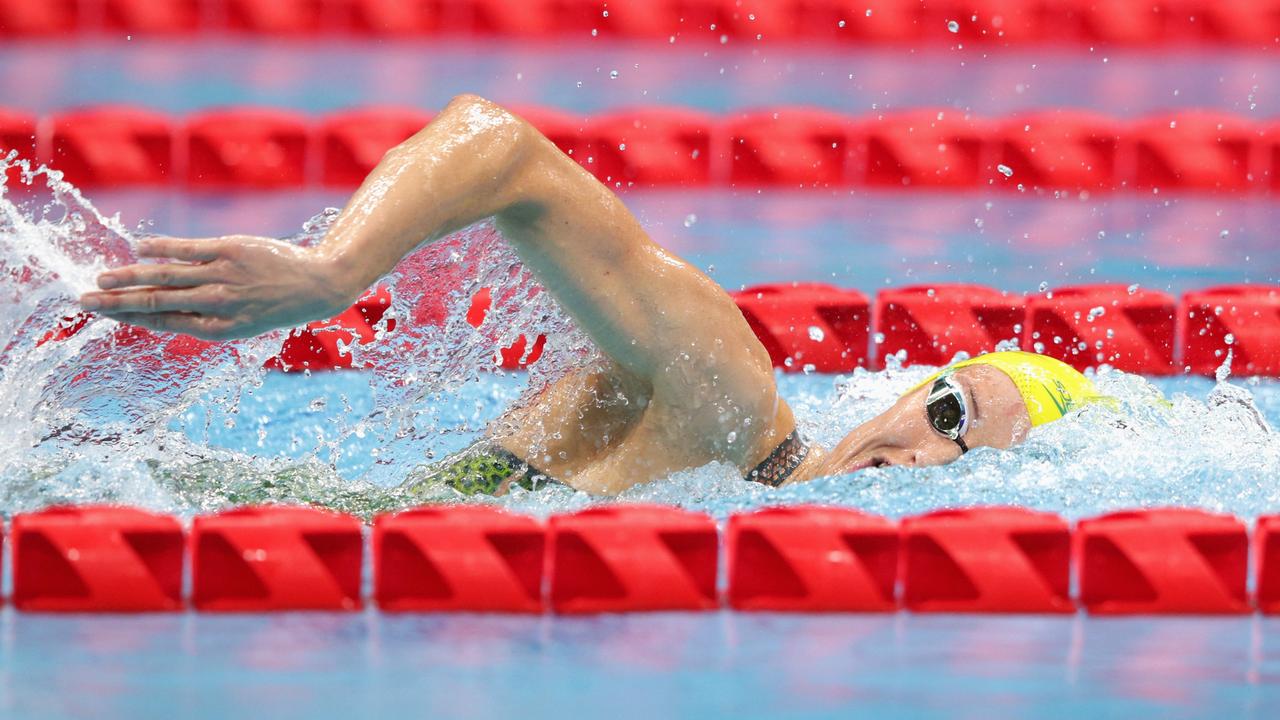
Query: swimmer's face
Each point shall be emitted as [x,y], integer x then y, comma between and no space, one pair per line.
[902,435]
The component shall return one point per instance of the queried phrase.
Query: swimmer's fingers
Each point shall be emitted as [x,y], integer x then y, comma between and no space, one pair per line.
[164,275]
[188,250]
[209,299]
[201,326]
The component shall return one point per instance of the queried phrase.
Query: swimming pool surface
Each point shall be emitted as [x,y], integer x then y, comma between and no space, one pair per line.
[344,438]
[711,665]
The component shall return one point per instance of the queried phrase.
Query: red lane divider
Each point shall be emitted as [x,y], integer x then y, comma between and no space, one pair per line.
[791,147]
[986,560]
[786,147]
[465,558]
[352,143]
[627,558]
[652,146]
[277,17]
[1247,314]
[812,327]
[1162,561]
[1130,329]
[17,133]
[396,17]
[97,559]
[111,147]
[152,17]
[1059,150]
[1266,560]
[925,148]
[24,18]
[808,325]
[1149,24]
[276,558]
[934,322]
[811,559]
[247,148]
[1193,150]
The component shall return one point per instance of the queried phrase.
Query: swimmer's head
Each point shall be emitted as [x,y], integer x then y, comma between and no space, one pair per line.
[992,400]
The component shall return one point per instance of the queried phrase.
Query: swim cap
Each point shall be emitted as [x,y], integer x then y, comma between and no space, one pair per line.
[1050,388]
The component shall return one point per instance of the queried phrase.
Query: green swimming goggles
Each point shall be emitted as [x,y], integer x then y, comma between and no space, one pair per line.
[948,410]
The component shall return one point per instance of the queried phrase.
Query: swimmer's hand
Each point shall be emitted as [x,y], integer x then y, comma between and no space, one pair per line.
[222,288]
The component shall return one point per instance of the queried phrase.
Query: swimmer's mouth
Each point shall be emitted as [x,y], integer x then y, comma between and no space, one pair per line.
[873,462]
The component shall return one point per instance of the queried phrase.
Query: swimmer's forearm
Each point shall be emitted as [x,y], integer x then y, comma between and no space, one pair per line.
[462,168]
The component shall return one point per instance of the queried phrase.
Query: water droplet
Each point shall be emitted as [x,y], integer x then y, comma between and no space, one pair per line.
[613,74]
[953,26]
[732,436]
[868,12]
[1005,170]
[1044,286]
[840,24]
[1230,339]
[622,146]
[690,220]
[1224,234]
[1133,288]
[816,334]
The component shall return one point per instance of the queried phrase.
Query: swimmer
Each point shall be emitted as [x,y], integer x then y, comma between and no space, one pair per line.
[685,382]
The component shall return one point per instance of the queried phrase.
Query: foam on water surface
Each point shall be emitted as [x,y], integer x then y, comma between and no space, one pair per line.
[116,414]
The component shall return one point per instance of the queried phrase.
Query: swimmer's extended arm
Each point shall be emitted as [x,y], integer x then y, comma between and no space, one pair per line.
[656,316]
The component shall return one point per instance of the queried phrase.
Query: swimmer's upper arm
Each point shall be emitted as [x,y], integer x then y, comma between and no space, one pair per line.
[651,312]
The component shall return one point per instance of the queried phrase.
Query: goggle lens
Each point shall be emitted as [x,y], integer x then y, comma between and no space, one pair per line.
[945,408]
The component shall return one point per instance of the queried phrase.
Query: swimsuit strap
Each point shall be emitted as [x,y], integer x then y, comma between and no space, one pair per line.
[783,461]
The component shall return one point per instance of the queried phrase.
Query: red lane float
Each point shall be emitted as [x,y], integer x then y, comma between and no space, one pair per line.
[464,558]
[17,132]
[651,147]
[1244,319]
[934,322]
[858,21]
[276,558]
[782,147]
[1058,150]
[40,18]
[626,558]
[111,147]
[811,559]
[662,19]
[1266,561]
[925,148]
[352,143]
[808,325]
[247,148]
[1193,150]
[159,17]
[1130,329]
[531,19]
[97,559]
[1162,561]
[396,17]
[997,559]
[276,17]
[790,147]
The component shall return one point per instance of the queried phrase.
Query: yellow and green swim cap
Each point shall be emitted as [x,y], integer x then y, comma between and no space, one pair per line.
[1050,388]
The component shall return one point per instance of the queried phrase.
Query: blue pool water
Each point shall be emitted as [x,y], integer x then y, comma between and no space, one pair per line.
[713,665]
[237,440]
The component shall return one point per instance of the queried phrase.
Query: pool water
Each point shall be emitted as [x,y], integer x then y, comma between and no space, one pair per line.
[90,419]
[708,665]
